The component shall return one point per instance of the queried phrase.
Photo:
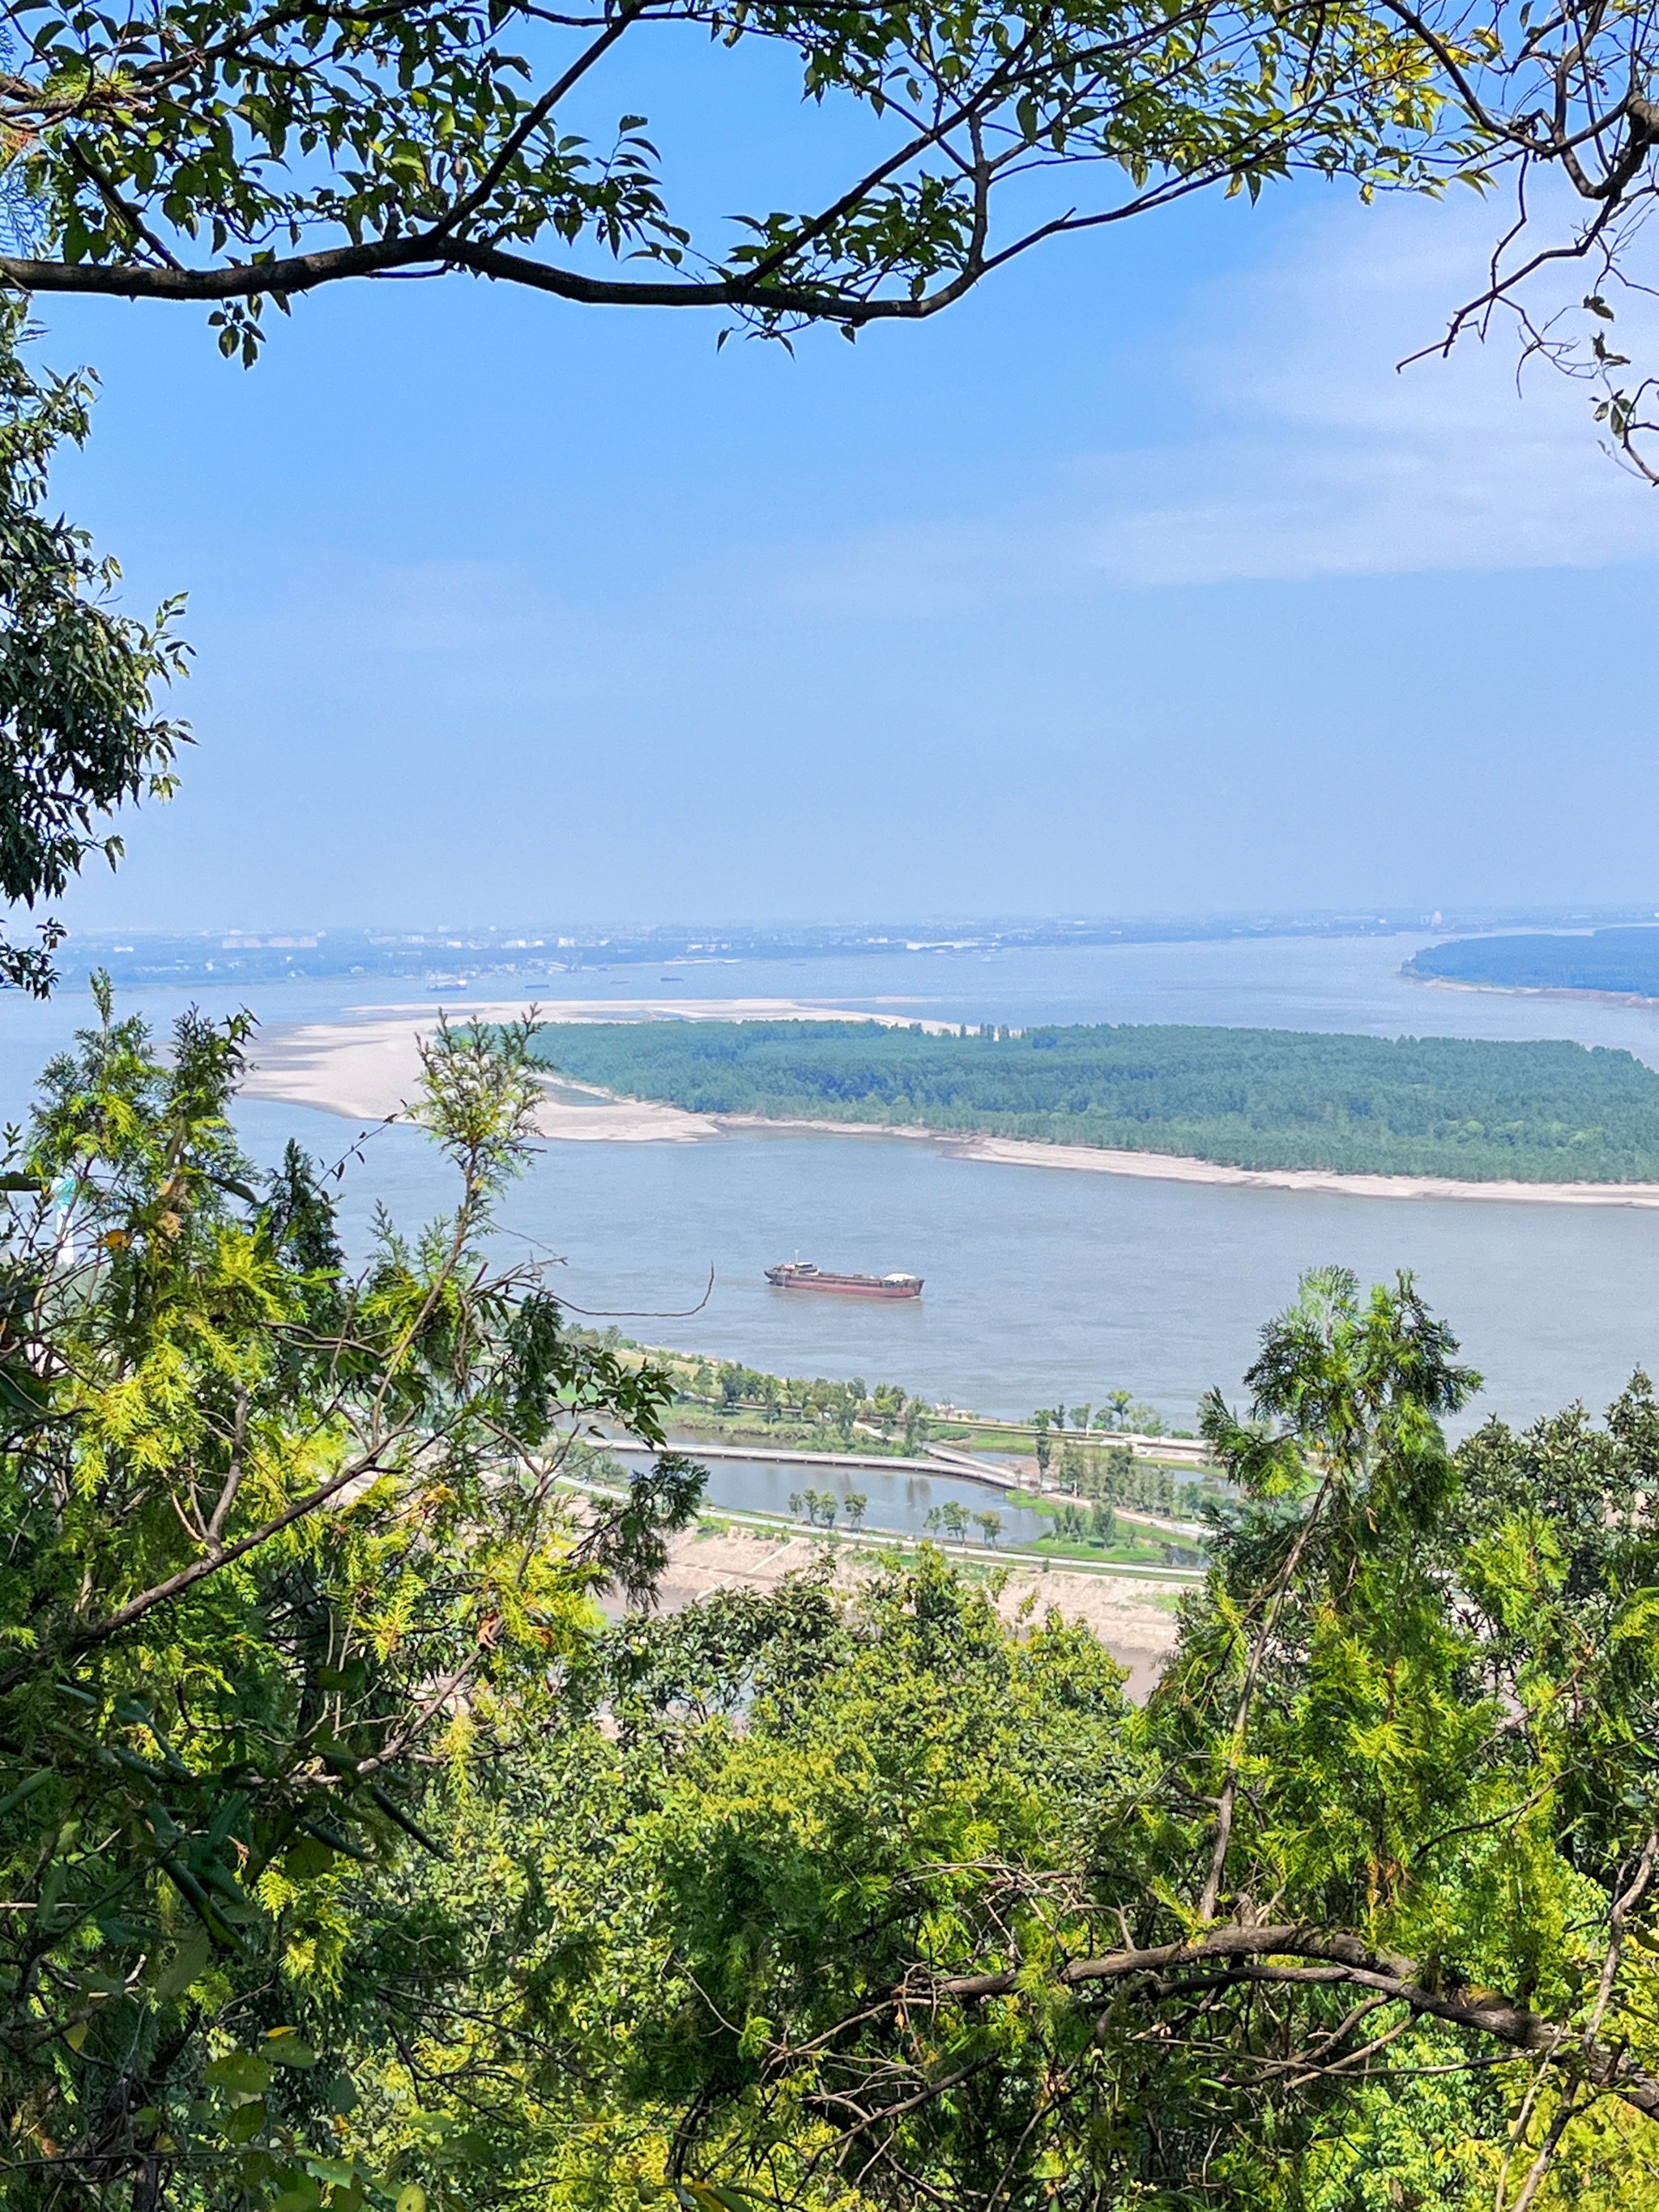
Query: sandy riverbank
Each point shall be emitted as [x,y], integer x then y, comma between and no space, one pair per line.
[368,1069]
[1166,1167]
[1138,1633]
[1173,1167]
[1639,1000]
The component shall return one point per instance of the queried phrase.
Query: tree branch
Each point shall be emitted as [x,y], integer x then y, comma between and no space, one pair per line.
[187,1578]
[1248,1953]
[539,113]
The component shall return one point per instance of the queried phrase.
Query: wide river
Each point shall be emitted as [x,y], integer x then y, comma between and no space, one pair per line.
[1042,1284]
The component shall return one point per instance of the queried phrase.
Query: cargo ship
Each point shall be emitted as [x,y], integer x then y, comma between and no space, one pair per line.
[802,1275]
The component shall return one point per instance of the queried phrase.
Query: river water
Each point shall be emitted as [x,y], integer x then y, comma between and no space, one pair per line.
[1042,1286]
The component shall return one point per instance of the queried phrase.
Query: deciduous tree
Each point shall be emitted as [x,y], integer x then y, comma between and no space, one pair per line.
[79,731]
[282,1547]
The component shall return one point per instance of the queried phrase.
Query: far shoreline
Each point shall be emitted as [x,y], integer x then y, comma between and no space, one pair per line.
[1629,999]
[366,1070]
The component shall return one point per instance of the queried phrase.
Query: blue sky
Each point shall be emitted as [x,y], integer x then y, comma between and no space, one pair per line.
[1142,582]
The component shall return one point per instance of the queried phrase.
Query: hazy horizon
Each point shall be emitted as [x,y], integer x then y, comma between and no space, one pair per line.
[1382,917]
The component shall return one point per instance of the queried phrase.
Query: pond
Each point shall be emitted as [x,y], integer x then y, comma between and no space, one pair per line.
[898,1504]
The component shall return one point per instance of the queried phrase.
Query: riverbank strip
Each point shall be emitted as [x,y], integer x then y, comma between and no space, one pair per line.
[884,1539]
[980,1470]
[1134,1620]
[369,1070]
[1175,1167]
[1183,1455]
[1136,1623]
[1639,1000]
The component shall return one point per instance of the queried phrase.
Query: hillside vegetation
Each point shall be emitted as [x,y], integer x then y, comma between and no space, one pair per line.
[1480,1110]
[357,1859]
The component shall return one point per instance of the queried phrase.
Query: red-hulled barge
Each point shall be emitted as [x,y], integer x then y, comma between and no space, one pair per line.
[802,1275]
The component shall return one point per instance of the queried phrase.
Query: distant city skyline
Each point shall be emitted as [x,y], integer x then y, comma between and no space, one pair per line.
[441,951]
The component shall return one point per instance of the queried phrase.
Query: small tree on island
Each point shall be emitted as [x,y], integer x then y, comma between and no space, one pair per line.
[1118,1474]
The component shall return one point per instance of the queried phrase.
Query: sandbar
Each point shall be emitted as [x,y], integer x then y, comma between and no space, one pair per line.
[1641,1000]
[1170,1167]
[369,1069]
[1176,1167]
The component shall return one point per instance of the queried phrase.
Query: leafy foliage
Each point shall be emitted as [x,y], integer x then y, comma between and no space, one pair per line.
[280,1546]
[78,734]
[233,153]
[1263,1098]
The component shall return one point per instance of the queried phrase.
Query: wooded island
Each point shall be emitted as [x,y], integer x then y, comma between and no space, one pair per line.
[1481,1110]
[1624,963]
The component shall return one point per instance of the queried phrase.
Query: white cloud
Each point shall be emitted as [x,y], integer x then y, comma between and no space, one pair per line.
[371,604]
[1311,455]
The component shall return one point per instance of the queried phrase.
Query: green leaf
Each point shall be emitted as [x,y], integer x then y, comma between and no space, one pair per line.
[339,2174]
[286,2049]
[307,1859]
[302,2193]
[246,2120]
[340,2094]
[25,1789]
[241,2072]
[186,1965]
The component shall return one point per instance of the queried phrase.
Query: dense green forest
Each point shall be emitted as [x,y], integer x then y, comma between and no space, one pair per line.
[1624,961]
[1260,1098]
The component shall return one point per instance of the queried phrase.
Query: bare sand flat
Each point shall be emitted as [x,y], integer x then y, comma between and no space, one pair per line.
[1173,1167]
[1168,1167]
[1138,1633]
[1636,999]
[369,1069]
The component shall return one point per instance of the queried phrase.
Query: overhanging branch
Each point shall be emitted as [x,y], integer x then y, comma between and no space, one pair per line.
[1247,1953]
[286,276]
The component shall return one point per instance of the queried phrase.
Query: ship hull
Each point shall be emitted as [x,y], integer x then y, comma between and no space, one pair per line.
[796,1278]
